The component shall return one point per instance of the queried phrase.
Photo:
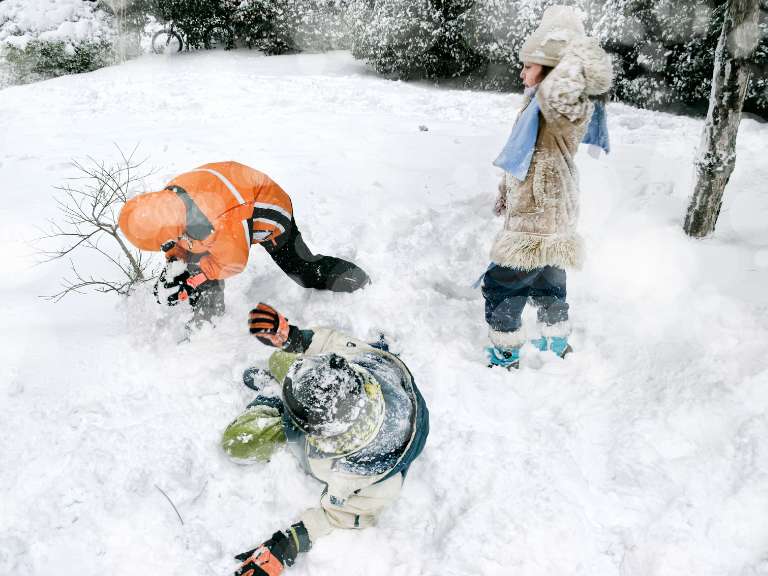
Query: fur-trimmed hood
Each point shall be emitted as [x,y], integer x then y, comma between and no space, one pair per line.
[597,67]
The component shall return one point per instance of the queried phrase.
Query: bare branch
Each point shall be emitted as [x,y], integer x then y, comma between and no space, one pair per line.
[56,254]
[79,283]
[89,206]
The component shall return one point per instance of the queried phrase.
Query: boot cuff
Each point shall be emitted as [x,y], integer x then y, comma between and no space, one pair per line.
[506,339]
[561,330]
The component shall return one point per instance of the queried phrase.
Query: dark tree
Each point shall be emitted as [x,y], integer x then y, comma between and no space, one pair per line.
[717,152]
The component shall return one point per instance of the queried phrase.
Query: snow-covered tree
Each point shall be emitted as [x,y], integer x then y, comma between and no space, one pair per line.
[268,25]
[322,26]
[717,152]
[413,38]
[757,92]
[129,19]
[191,17]
[663,48]
[496,29]
[39,39]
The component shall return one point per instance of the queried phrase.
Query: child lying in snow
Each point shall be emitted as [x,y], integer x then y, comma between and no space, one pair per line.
[351,413]
[539,192]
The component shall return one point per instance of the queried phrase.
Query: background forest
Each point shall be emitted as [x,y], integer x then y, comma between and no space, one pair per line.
[663,50]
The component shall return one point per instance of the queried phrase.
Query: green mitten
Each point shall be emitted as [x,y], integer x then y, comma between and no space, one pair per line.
[254,435]
[280,362]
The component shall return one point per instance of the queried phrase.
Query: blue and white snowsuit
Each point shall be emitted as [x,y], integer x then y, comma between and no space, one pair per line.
[362,483]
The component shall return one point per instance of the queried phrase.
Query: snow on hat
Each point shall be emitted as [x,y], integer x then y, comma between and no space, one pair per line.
[559,25]
[339,406]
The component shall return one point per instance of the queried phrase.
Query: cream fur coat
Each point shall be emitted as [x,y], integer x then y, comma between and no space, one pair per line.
[542,210]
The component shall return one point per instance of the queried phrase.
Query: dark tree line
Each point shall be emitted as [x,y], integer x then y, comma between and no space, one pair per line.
[664,50]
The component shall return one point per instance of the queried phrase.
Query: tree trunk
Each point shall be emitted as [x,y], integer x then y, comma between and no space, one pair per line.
[717,151]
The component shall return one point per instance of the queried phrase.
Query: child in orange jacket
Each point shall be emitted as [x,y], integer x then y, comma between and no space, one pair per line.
[209,218]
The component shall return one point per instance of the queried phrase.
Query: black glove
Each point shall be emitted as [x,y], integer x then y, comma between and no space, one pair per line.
[270,558]
[182,287]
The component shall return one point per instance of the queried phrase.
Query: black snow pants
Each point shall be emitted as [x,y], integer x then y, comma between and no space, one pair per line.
[314,270]
[506,291]
[297,261]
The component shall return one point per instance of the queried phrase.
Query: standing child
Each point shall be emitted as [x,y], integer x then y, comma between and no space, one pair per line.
[539,194]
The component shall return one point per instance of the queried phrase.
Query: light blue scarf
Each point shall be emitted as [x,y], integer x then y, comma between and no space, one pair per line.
[517,154]
[597,131]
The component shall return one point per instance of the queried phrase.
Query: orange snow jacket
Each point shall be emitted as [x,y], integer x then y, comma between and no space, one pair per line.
[217,210]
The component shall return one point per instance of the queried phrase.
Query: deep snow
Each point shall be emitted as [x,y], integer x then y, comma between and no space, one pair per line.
[645,453]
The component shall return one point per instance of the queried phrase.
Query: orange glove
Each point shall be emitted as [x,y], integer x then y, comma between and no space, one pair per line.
[280,550]
[268,325]
[260,562]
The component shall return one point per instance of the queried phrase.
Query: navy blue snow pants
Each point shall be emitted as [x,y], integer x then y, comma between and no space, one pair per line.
[506,291]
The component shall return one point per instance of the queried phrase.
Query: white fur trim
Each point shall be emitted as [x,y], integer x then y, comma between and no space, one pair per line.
[597,67]
[559,330]
[531,251]
[506,339]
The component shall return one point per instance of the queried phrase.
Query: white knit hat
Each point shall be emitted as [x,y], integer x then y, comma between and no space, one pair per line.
[559,25]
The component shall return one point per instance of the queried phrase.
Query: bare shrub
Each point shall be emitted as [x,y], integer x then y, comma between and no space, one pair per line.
[90,205]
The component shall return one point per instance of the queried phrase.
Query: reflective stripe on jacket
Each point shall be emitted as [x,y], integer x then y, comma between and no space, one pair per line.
[234,197]
[213,213]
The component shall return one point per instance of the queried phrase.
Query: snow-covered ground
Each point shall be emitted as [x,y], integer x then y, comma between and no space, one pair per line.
[645,453]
